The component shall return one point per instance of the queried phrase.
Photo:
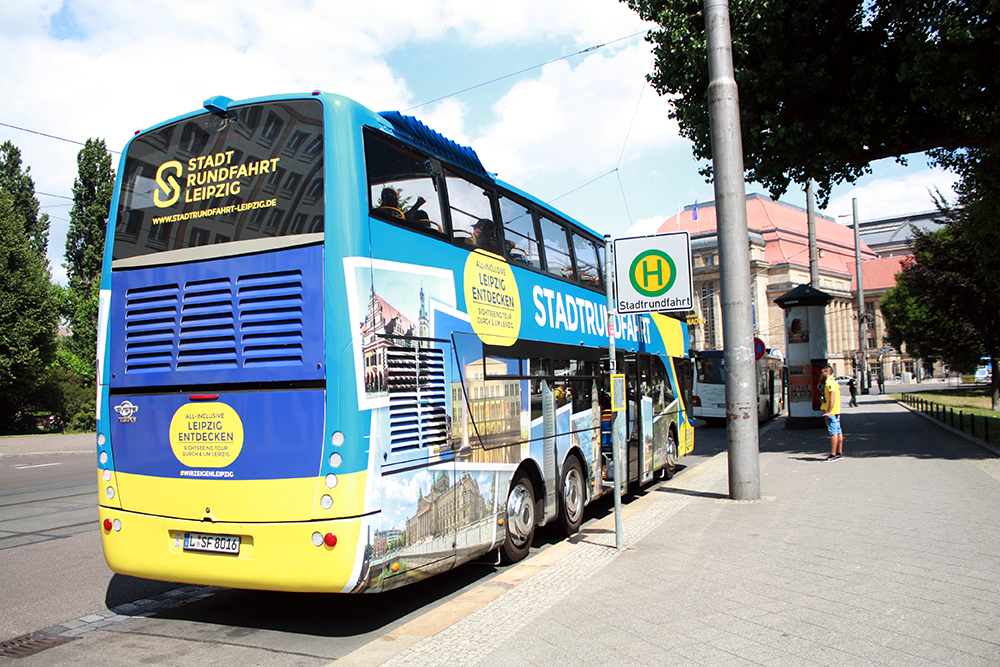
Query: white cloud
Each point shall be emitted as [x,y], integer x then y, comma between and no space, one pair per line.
[577,118]
[895,195]
[646,226]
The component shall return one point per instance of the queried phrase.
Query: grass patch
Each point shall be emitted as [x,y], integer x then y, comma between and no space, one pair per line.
[964,408]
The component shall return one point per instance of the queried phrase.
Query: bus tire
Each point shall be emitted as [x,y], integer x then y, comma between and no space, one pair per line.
[520,520]
[670,465]
[571,497]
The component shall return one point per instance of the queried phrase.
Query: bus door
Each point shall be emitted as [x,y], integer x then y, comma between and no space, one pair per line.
[639,407]
[488,398]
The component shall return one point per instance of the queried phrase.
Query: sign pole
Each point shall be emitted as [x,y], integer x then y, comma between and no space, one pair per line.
[613,371]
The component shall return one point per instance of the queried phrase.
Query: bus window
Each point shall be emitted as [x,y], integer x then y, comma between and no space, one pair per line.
[539,370]
[471,215]
[519,232]
[557,258]
[401,186]
[183,187]
[711,370]
[659,388]
[588,267]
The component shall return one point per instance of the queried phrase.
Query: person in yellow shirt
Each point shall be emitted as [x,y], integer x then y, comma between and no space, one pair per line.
[831,413]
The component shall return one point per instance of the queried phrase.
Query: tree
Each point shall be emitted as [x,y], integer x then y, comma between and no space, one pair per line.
[827,87]
[946,302]
[28,316]
[21,187]
[92,192]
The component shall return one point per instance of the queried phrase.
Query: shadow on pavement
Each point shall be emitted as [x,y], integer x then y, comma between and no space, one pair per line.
[123,589]
[326,614]
[688,492]
[875,430]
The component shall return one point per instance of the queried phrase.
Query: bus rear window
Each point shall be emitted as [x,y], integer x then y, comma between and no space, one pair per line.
[207,180]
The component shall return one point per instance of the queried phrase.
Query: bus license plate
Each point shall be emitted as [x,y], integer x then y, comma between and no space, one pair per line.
[223,544]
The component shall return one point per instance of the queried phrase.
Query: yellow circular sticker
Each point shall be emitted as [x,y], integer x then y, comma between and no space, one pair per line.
[206,435]
[491,298]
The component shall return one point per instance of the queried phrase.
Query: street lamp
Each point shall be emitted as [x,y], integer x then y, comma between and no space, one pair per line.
[862,315]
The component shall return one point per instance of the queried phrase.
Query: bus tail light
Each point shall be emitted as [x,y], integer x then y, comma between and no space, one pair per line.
[319,539]
[696,401]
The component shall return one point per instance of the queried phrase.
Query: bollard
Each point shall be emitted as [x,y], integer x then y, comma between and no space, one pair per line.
[973,426]
[952,411]
[960,426]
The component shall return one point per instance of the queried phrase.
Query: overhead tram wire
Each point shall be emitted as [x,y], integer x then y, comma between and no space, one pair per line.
[527,69]
[52,136]
[616,171]
[589,49]
[628,133]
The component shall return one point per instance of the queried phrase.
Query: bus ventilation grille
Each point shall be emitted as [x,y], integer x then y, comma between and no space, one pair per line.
[251,320]
[417,413]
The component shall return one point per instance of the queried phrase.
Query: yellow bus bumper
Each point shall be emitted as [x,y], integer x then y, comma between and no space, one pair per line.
[272,556]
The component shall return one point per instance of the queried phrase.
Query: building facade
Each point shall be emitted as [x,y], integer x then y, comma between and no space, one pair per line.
[779,261]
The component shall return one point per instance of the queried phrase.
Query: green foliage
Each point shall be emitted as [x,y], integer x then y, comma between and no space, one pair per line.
[21,187]
[92,192]
[826,87]
[978,203]
[946,303]
[67,396]
[28,316]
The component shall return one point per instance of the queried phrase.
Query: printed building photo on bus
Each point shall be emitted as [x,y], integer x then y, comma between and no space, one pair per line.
[390,306]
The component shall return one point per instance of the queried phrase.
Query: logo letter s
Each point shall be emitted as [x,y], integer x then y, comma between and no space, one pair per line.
[171,187]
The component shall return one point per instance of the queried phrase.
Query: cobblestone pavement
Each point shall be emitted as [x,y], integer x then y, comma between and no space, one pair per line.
[889,556]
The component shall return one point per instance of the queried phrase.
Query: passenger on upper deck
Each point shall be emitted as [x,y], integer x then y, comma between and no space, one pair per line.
[414,214]
[390,203]
[485,235]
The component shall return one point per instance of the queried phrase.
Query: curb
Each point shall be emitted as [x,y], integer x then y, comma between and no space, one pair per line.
[982,444]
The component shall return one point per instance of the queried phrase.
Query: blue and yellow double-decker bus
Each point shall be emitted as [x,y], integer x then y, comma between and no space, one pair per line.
[337,354]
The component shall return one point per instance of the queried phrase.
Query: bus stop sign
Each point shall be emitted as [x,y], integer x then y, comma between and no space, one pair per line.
[653,274]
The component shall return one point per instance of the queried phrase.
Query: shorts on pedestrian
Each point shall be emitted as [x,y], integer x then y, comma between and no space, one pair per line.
[833,425]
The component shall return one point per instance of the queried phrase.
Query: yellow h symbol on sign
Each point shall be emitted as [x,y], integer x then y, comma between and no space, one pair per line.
[649,265]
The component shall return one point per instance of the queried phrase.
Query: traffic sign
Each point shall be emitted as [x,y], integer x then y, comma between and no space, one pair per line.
[758,349]
[653,273]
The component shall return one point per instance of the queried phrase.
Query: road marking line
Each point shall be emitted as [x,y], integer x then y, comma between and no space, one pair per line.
[38,465]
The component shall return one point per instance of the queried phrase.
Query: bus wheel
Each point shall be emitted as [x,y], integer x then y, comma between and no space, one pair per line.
[520,520]
[671,464]
[571,498]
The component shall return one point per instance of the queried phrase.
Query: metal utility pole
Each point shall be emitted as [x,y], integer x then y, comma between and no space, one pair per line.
[811,222]
[734,256]
[616,443]
[863,362]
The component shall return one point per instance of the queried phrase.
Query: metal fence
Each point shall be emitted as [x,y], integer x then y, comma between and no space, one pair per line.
[978,426]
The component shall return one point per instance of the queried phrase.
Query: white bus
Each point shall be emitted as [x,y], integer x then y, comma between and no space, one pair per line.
[708,399]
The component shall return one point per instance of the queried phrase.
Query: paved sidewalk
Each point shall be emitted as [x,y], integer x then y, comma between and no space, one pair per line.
[889,556]
[34,445]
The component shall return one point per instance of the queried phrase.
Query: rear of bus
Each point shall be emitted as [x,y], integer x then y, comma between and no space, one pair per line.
[222,459]
[708,398]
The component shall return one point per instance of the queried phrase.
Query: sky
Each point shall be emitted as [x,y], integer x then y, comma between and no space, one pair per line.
[572,124]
